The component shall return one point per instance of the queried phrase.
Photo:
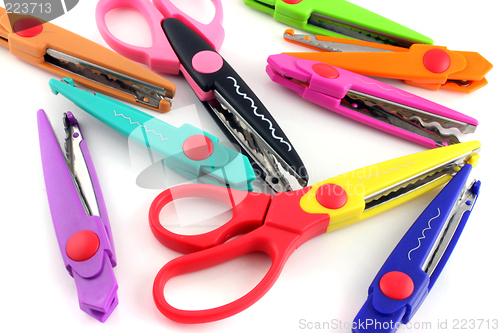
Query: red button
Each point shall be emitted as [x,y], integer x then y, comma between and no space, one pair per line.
[331,196]
[82,245]
[396,285]
[28,27]
[198,147]
[436,61]
[325,70]
[292,2]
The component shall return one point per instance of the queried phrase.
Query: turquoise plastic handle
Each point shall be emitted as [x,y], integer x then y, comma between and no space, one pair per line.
[222,166]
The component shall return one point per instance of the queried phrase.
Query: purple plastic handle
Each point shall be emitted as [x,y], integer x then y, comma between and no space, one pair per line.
[94,277]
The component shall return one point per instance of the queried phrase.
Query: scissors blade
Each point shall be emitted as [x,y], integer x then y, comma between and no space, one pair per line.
[332,44]
[357,31]
[375,189]
[59,180]
[144,92]
[450,230]
[438,173]
[211,73]
[77,164]
[272,167]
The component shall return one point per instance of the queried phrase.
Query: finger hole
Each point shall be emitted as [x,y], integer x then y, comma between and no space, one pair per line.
[202,11]
[219,285]
[194,216]
[129,26]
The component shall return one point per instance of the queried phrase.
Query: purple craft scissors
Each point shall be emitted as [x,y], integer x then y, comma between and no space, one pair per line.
[79,216]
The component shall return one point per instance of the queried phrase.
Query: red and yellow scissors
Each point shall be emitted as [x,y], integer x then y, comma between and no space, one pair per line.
[280,224]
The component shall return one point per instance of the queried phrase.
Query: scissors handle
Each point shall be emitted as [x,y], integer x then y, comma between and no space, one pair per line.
[159,57]
[286,227]
[265,239]
[248,208]
[212,32]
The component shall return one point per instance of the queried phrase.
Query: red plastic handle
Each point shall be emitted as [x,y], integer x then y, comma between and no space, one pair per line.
[286,227]
[249,210]
[277,243]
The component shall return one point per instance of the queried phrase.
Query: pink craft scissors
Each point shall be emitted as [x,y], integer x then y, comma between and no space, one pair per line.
[160,57]
[181,43]
[279,225]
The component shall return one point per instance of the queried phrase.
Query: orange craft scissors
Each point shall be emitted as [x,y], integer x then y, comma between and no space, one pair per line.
[66,54]
[421,65]
[278,225]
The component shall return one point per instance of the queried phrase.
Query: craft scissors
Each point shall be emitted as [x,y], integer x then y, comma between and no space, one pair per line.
[370,102]
[279,225]
[339,18]
[67,54]
[410,272]
[79,216]
[422,65]
[181,43]
[189,151]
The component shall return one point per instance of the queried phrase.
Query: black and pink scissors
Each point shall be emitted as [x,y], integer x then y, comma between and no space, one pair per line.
[181,43]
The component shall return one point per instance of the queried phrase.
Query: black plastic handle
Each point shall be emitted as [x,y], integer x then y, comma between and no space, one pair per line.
[187,44]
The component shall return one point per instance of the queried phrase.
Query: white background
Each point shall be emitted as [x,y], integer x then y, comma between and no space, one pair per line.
[327,278]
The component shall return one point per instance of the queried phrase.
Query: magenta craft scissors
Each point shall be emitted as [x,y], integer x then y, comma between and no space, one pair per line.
[183,44]
[278,225]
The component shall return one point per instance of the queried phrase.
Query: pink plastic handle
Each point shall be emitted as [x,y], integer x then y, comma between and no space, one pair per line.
[286,227]
[212,32]
[328,85]
[159,57]
[249,210]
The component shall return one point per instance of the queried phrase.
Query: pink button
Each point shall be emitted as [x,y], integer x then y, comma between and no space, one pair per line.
[207,62]
[325,70]
[436,61]
[396,285]
[82,245]
[198,147]
[292,2]
[331,196]
[28,27]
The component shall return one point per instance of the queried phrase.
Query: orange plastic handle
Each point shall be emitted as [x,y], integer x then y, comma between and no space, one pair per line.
[427,66]
[33,49]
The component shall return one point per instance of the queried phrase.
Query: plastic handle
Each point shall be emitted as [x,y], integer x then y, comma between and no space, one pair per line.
[263,239]
[210,71]
[222,165]
[160,57]
[370,320]
[402,285]
[287,226]
[248,209]
[212,32]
